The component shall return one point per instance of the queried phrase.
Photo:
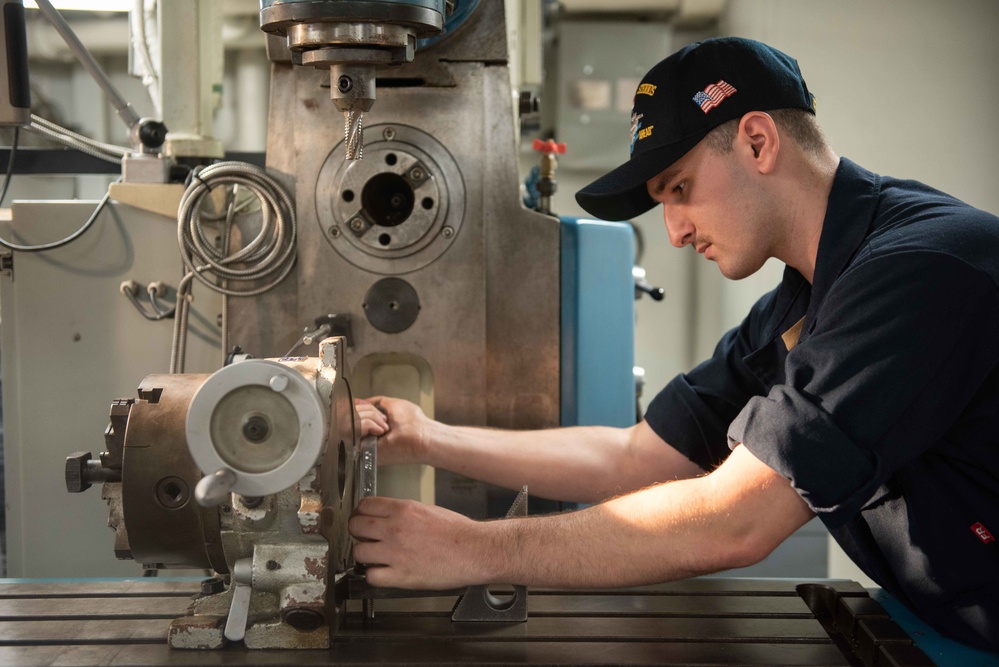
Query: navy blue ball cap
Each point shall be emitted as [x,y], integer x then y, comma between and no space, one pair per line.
[681,100]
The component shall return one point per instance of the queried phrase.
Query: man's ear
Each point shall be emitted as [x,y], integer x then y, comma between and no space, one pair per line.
[759,139]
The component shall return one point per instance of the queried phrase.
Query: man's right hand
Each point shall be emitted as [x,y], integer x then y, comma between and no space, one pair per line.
[401,428]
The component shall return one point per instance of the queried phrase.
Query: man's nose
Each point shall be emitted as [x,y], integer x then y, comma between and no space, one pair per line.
[680,231]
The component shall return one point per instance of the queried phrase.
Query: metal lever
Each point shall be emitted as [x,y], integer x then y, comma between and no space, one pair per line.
[641,286]
[239,610]
[214,488]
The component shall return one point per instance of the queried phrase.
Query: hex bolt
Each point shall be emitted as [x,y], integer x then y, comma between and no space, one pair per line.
[344,84]
[416,173]
[278,383]
[76,472]
[334,231]
[357,224]
[447,232]
[388,133]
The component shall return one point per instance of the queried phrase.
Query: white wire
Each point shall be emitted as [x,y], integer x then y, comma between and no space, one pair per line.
[98,149]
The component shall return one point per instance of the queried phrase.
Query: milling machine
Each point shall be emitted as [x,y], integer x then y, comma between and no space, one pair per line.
[445,291]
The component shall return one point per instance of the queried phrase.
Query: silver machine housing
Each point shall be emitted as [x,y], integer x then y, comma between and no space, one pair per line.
[450,289]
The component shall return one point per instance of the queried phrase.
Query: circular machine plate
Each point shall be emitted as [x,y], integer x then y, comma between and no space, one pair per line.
[390,210]
[391,305]
[269,438]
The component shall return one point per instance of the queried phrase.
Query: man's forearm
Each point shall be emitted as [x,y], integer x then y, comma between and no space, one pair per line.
[732,517]
[666,532]
[580,464]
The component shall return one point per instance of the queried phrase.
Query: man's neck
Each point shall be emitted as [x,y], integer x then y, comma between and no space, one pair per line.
[808,180]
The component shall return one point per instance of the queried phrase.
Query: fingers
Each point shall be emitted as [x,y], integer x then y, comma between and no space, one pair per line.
[378,506]
[373,420]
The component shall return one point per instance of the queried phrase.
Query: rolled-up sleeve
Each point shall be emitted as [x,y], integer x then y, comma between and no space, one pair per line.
[895,354]
[693,412]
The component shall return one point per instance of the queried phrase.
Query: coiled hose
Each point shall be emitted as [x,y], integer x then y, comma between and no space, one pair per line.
[268,257]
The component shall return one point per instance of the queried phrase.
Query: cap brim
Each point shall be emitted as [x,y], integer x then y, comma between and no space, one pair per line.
[621,194]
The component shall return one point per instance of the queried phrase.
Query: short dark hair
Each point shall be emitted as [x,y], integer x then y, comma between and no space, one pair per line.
[798,124]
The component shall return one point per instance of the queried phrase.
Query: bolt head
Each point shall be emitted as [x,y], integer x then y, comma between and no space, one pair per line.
[334,231]
[344,84]
[448,232]
[357,224]
[278,382]
[76,464]
[388,133]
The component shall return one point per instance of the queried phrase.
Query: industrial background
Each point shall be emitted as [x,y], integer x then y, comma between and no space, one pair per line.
[904,87]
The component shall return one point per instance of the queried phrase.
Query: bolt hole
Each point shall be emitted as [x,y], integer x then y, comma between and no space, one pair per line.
[385,239]
[391,159]
[348,195]
[173,491]
[427,203]
[393,305]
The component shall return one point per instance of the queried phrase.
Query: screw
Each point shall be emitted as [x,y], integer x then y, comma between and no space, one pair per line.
[344,83]
[447,232]
[357,224]
[416,173]
[388,133]
[334,231]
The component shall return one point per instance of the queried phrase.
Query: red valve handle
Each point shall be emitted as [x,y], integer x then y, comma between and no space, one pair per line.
[548,146]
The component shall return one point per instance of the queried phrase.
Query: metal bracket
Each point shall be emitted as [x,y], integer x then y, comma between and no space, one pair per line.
[478,604]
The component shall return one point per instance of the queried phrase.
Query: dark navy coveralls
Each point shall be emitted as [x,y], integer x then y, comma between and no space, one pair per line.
[875,391]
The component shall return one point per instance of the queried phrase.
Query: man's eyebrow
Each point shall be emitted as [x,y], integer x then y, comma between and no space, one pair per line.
[664,178]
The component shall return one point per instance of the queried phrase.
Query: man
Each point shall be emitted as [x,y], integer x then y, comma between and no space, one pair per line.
[864,389]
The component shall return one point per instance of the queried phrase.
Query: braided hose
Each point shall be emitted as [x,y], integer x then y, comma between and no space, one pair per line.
[269,256]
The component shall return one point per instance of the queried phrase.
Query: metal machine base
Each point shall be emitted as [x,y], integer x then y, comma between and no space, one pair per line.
[695,622]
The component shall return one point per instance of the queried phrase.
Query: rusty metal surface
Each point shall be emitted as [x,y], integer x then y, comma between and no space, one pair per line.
[701,621]
[175,534]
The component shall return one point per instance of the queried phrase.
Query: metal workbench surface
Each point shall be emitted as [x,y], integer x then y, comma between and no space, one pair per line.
[694,622]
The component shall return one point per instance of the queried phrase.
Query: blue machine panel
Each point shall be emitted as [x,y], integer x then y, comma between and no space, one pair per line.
[598,323]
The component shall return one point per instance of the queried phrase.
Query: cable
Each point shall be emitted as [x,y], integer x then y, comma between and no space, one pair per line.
[113,149]
[100,150]
[272,251]
[55,244]
[269,256]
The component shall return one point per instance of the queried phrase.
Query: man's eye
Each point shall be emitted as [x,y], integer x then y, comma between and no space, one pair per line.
[678,188]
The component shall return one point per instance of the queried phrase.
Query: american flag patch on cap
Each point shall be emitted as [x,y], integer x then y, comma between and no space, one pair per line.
[712,96]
